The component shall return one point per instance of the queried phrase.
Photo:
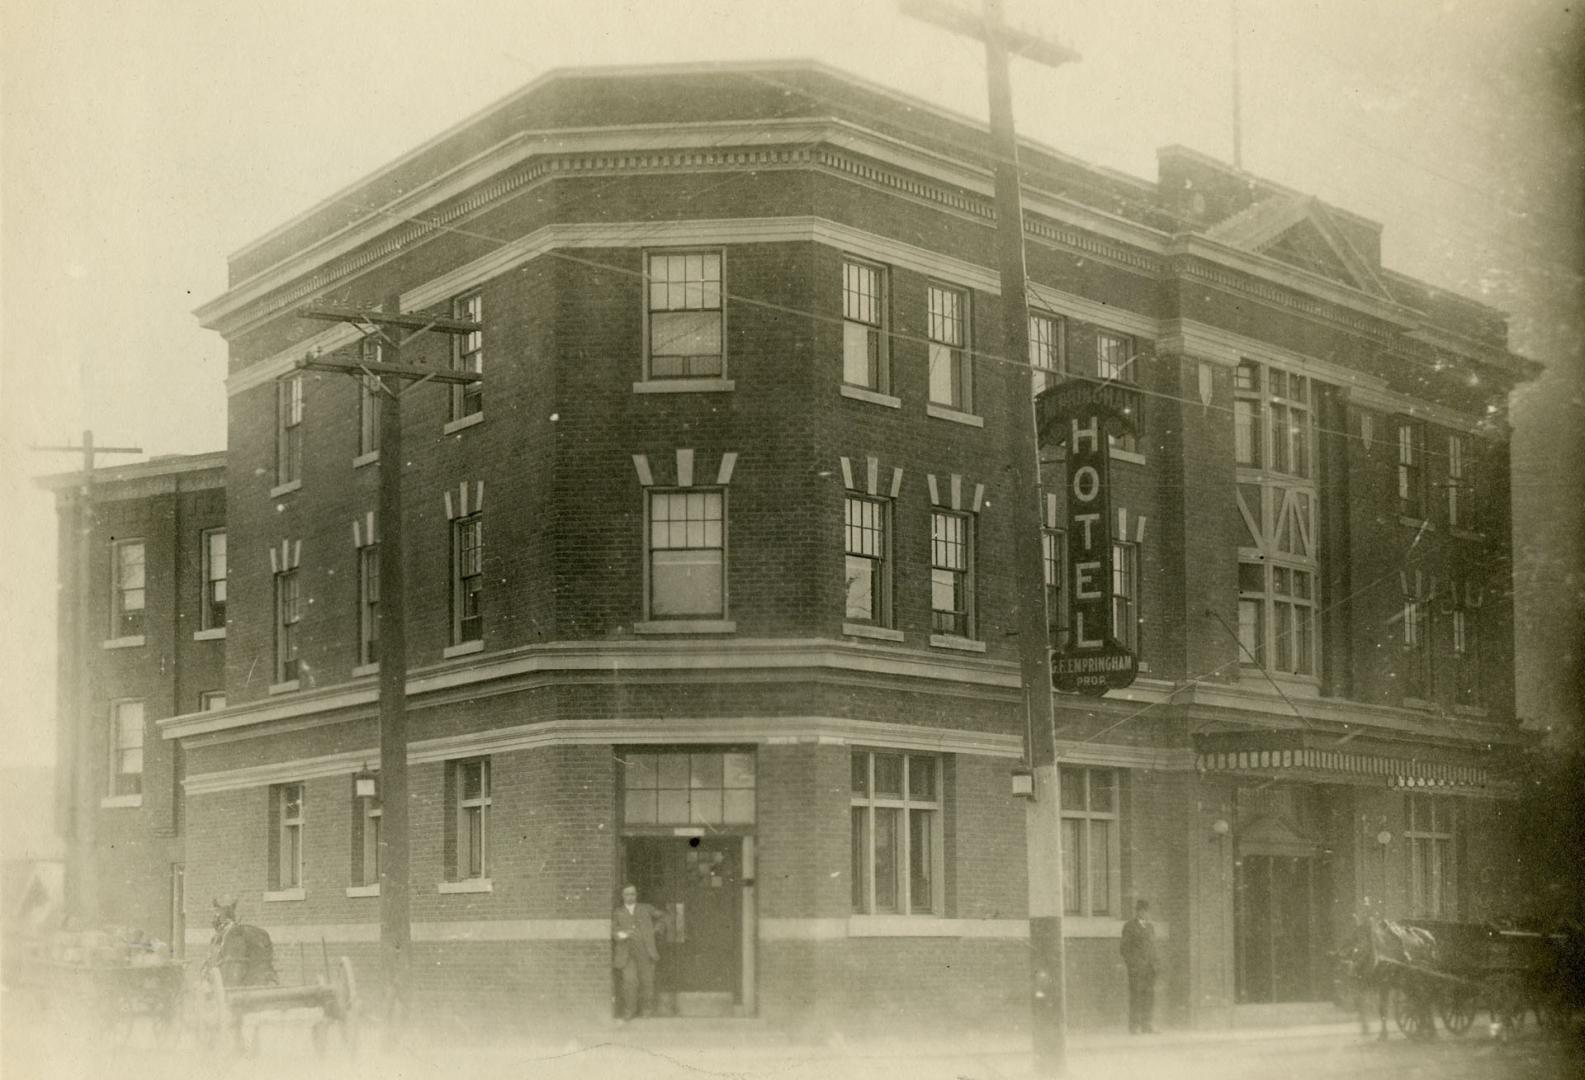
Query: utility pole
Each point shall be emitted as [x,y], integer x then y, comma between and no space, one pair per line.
[1238,93]
[1043,822]
[82,780]
[389,372]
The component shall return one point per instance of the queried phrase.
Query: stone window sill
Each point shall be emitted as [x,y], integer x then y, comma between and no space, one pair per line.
[133,642]
[469,885]
[683,386]
[284,687]
[1133,457]
[120,802]
[364,890]
[214,633]
[957,416]
[874,397]
[948,641]
[879,633]
[462,423]
[365,669]
[281,896]
[286,488]
[365,459]
[686,626]
[1419,703]
[462,648]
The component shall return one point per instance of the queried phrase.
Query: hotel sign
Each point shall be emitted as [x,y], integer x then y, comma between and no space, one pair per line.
[1079,413]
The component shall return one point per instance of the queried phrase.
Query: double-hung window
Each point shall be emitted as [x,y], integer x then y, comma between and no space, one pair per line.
[288,616]
[1276,617]
[1414,667]
[467,579]
[467,355]
[1460,484]
[1116,362]
[686,335]
[126,748]
[951,369]
[366,817]
[865,359]
[1411,470]
[369,405]
[868,560]
[286,836]
[1248,415]
[1048,353]
[1054,553]
[127,591]
[896,834]
[1090,841]
[289,430]
[952,573]
[468,807]
[1433,857]
[687,554]
[1125,594]
[212,608]
[1466,647]
[369,604]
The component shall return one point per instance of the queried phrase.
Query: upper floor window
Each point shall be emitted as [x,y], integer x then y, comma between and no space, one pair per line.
[369,604]
[212,609]
[1414,661]
[1054,550]
[467,579]
[1272,420]
[1125,594]
[686,336]
[1091,844]
[1116,361]
[126,748]
[211,700]
[288,616]
[289,430]
[127,592]
[952,573]
[951,375]
[468,854]
[1460,484]
[1433,856]
[865,358]
[467,355]
[1411,469]
[896,834]
[1466,645]
[369,391]
[687,554]
[1048,349]
[286,836]
[1276,617]
[868,560]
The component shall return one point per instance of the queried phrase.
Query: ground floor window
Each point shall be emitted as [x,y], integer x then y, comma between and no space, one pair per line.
[468,804]
[286,836]
[896,833]
[1433,856]
[1090,841]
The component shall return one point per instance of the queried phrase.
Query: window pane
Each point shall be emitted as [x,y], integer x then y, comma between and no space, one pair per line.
[861,355]
[889,776]
[686,583]
[861,773]
[1101,791]
[738,806]
[860,574]
[638,807]
[1072,784]
[673,770]
[1100,867]
[706,771]
[705,807]
[738,770]
[1070,866]
[944,376]
[672,807]
[920,879]
[886,863]
[858,868]
[922,778]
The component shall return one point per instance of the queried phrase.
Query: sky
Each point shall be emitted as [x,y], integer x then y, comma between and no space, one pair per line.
[141,143]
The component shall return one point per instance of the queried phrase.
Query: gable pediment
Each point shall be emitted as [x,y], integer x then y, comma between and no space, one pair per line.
[1300,232]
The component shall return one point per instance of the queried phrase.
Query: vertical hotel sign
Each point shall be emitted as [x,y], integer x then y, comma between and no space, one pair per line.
[1081,414]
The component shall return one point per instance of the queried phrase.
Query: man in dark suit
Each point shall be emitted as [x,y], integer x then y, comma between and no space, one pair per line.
[1139,957]
[634,928]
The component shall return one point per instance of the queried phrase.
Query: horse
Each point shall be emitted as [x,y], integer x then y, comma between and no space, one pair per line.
[1380,959]
[243,954]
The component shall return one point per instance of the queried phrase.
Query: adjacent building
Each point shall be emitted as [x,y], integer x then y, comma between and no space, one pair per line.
[710,577]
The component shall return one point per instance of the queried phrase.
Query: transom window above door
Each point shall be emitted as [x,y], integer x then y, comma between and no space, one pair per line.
[687,788]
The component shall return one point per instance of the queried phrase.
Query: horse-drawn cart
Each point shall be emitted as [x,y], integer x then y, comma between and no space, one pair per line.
[218,1008]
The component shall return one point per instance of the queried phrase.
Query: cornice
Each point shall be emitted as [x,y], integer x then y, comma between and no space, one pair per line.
[112,482]
[611,660]
[603,731]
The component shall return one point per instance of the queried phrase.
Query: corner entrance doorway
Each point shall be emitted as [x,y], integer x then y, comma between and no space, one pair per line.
[697,883]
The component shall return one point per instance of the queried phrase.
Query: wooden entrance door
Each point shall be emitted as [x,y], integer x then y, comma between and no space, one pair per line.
[697,883]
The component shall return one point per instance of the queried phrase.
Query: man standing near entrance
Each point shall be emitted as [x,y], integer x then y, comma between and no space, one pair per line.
[1139,957]
[633,930]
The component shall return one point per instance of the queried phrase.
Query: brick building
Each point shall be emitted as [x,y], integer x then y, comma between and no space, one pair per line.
[154,648]
[709,583]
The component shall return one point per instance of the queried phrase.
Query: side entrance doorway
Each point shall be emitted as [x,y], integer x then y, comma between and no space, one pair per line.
[1282,882]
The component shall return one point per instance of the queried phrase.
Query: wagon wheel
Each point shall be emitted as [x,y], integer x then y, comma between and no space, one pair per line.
[1458,1010]
[1413,1017]
[1506,995]
[344,1001]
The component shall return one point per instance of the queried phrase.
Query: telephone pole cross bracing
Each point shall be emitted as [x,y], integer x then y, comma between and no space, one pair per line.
[386,327]
[1043,822]
[81,785]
